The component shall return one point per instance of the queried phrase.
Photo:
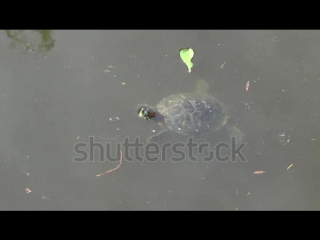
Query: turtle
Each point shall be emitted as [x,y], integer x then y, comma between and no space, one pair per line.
[190,113]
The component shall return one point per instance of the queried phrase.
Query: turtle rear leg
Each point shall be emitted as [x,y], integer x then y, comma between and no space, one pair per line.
[234,132]
[227,135]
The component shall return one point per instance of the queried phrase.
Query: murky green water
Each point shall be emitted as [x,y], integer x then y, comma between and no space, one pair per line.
[58,88]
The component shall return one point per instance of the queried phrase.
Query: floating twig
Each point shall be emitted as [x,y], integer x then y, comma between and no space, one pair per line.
[223,64]
[247,86]
[114,169]
[259,172]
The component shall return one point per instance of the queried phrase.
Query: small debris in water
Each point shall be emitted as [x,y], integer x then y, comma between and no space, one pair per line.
[282,135]
[289,167]
[223,64]
[28,190]
[247,86]
[123,83]
[259,172]
[112,120]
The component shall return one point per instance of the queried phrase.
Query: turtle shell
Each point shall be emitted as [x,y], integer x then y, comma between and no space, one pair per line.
[188,113]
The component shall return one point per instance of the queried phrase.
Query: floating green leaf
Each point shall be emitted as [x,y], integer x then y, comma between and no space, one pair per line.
[186,55]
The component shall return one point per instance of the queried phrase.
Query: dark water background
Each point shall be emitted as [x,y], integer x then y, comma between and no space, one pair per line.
[58,88]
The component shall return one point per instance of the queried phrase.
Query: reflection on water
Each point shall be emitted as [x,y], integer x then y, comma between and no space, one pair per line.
[31,40]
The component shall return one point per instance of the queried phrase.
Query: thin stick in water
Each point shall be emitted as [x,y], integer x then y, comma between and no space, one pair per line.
[114,169]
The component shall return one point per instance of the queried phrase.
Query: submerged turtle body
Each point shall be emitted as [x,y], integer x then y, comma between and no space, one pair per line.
[189,113]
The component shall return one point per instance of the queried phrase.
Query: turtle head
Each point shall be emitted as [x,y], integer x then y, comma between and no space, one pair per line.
[146,112]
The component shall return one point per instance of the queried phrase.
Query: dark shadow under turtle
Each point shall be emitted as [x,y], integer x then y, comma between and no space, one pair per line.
[196,114]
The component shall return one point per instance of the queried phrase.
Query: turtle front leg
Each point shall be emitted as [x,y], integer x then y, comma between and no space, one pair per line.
[155,138]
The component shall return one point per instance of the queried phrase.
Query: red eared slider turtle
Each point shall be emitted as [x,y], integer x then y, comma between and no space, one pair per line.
[189,113]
